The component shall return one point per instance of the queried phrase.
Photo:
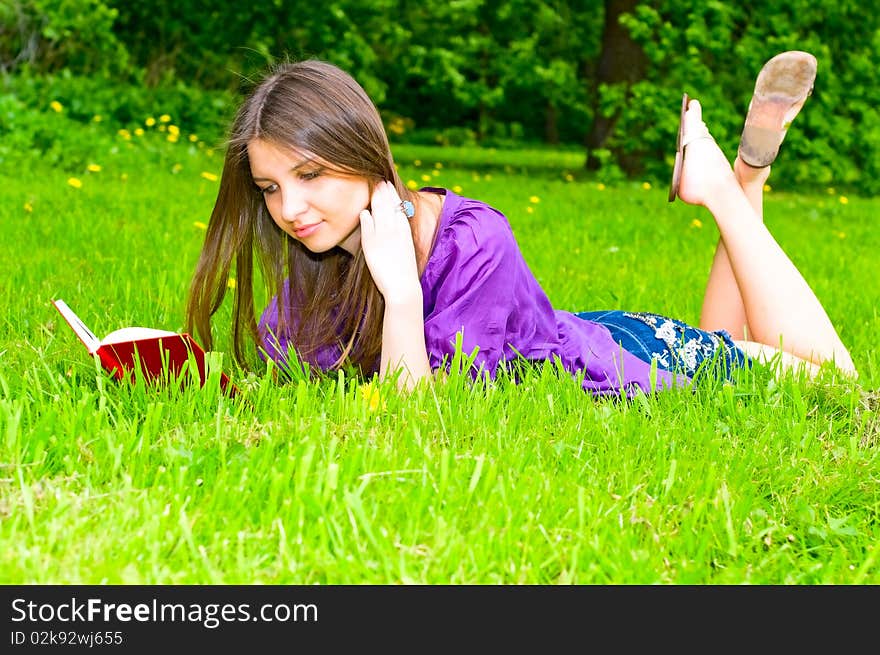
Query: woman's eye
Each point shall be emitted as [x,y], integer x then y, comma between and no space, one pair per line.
[269,189]
[310,175]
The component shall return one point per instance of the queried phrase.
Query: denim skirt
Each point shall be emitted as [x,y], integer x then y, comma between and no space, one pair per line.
[676,346]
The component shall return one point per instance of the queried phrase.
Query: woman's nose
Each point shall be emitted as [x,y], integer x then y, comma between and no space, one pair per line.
[293,204]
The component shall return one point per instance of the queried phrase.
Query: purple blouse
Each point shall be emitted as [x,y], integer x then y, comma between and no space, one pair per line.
[477,283]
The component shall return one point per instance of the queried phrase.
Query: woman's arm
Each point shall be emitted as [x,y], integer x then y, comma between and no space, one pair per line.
[388,247]
[403,342]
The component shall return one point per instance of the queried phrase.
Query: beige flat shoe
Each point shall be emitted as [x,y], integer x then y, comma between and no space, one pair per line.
[783,86]
[679,152]
[695,132]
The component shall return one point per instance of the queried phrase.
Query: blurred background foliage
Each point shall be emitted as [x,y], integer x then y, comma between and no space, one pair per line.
[604,77]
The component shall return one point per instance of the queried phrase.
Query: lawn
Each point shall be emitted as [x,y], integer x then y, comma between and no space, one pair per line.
[340,482]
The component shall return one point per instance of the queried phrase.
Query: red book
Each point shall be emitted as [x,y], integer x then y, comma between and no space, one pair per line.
[157,353]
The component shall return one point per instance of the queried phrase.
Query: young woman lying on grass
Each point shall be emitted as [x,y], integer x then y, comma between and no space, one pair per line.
[364,272]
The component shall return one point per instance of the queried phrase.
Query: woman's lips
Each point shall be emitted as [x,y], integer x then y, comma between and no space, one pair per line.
[306,230]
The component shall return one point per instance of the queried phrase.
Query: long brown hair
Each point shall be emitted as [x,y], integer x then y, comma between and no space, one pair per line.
[315,107]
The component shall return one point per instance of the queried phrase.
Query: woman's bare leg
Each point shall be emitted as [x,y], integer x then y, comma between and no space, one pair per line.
[723,307]
[781,309]
[782,88]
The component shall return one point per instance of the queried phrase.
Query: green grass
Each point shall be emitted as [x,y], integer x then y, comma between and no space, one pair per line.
[763,482]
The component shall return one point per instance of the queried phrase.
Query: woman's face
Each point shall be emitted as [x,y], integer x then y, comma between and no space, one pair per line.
[307,199]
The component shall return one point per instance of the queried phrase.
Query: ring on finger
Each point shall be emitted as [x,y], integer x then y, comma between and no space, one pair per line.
[407,208]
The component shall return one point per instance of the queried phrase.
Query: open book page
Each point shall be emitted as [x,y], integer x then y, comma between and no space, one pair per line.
[85,334]
[117,336]
[134,334]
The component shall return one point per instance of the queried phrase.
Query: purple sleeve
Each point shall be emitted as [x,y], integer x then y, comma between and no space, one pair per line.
[472,289]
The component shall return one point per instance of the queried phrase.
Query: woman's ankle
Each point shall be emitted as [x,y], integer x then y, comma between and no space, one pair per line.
[749,176]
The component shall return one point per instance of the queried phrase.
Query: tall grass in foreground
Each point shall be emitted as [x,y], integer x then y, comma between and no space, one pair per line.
[338,481]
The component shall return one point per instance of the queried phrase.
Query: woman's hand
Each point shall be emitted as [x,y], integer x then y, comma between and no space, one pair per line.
[388,247]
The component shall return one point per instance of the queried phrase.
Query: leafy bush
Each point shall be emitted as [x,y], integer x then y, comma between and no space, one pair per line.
[71,122]
[450,136]
[469,72]
[206,113]
[51,35]
[714,50]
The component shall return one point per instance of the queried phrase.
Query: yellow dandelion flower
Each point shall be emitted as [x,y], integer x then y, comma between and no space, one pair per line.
[138,131]
[56,106]
[173,129]
[426,178]
[534,199]
[646,185]
[569,177]
[456,189]
[372,397]
[173,138]
[176,168]
[435,172]
[412,184]
[696,223]
[209,176]
[97,118]
[600,186]
[231,283]
[150,121]
[530,209]
[125,134]
[76,183]
[123,177]
[831,191]
[209,152]
[163,128]
[200,225]
[767,188]
[417,162]
[28,207]
[488,176]
[844,200]
[841,235]
[94,168]
[438,164]
[193,138]
[164,118]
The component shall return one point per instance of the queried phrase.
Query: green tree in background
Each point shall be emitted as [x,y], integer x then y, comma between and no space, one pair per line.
[714,50]
[603,74]
[496,69]
[52,35]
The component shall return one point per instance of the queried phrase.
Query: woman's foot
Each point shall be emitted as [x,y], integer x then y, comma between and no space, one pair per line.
[783,86]
[705,172]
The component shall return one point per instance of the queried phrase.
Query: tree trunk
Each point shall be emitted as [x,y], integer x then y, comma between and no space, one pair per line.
[620,61]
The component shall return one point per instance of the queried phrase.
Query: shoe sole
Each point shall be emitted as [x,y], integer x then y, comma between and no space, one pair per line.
[679,155]
[783,86]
